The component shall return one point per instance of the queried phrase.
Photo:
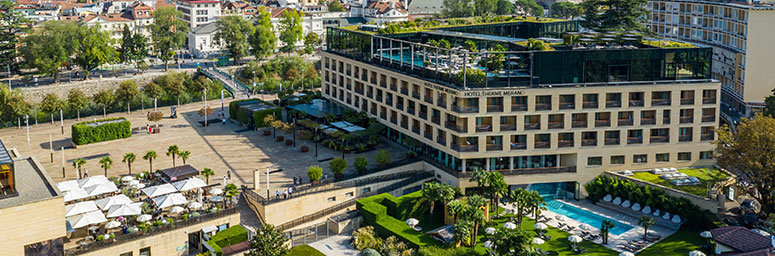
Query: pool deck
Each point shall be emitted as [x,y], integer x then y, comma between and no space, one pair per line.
[614,241]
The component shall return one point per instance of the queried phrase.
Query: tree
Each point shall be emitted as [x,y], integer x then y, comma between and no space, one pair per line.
[513,242]
[290,29]
[504,7]
[168,32]
[173,84]
[361,163]
[50,47]
[155,117]
[105,164]
[769,105]
[475,214]
[485,7]
[470,46]
[263,40]
[77,100]
[134,47]
[126,92]
[153,90]
[129,158]
[519,198]
[455,208]
[605,227]
[78,164]
[150,155]
[184,155]
[268,242]
[12,25]
[498,188]
[481,177]
[314,172]
[104,97]
[173,150]
[443,43]
[13,103]
[51,103]
[566,10]
[530,7]
[621,15]
[646,222]
[207,172]
[94,48]
[457,8]
[462,232]
[312,39]
[337,166]
[233,32]
[434,192]
[335,6]
[749,152]
[365,238]
[535,203]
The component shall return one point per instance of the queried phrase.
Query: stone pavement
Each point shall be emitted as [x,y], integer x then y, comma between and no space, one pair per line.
[338,245]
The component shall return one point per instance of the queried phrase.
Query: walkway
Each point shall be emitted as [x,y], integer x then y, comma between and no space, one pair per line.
[241,93]
[338,245]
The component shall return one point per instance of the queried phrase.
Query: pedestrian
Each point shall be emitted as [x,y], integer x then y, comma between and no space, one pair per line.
[325,176]
[223,120]
[290,192]
[228,174]
[294,180]
[278,194]
[300,180]
[85,173]
[285,194]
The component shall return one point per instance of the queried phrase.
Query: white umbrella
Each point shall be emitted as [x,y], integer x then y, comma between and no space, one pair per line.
[216,191]
[509,225]
[78,208]
[195,205]
[106,203]
[127,178]
[133,183]
[75,194]
[216,198]
[177,209]
[584,227]
[189,184]
[489,231]
[93,180]
[159,190]
[696,253]
[86,219]
[144,217]
[100,189]
[540,226]
[626,254]
[574,239]
[706,234]
[761,232]
[125,210]
[411,221]
[170,200]
[538,241]
[560,217]
[68,185]
[139,186]
[488,244]
[112,224]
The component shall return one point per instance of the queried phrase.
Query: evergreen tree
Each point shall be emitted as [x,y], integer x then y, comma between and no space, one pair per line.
[619,15]
[290,29]
[233,32]
[12,24]
[263,40]
[168,33]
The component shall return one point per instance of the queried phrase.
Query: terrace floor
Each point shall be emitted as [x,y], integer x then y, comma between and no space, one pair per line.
[707,177]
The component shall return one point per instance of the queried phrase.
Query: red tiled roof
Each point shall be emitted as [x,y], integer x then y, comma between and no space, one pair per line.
[741,239]
[385,6]
[109,17]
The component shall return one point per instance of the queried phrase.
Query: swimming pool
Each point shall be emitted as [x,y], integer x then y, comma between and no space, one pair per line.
[585,216]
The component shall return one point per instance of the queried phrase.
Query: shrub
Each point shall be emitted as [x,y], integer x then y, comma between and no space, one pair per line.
[228,237]
[83,133]
[361,163]
[314,172]
[257,118]
[386,214]
[473,76]
[304,250]
[337,165]
[370,252]
[383,157]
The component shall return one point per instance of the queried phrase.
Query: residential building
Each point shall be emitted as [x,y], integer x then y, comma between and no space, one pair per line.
[142,16]
[202,43]
[199,12]
[117,6]
[425,7]
[26,190]
[380,11]
[239,8]
[111,23]
[562,116]
[734,30]
[735,240]
[309,23]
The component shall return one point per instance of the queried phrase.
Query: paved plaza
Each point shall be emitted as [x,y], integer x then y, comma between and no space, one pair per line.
[219,147]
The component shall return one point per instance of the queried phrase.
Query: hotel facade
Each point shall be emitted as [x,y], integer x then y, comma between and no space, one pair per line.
[560,116]
[734,29]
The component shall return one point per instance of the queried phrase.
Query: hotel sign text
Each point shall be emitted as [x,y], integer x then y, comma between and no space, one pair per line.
[488,93]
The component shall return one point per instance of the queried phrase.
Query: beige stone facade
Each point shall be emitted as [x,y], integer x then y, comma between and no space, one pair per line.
[31,223]
[585,129]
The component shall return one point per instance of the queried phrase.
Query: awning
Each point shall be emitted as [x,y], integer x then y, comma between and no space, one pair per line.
[89,218]
[106,203]
[75,194]
[78,208]
[170,200]
[209,229]
[179,173]
[159,190]
[68,185]
[189,184]
[92,180]
[100,189]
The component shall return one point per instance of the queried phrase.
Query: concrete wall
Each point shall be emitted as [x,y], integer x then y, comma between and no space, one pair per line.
[758,64]
[31,223]
[344,226]
[703,202]
[167,243]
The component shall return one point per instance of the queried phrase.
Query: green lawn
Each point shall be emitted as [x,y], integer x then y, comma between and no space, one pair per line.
[304,250]
[707,177]
[680,243]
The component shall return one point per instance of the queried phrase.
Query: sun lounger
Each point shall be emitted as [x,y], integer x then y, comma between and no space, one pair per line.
[629,248]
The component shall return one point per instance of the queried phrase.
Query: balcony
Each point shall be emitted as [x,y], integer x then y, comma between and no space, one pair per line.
[567,105]
[428,99]
[494,108]
[529,171]
[465,109]
[636,103]
[404,91]
[532,126]
[707,137]
[416,130]
[416,95]
[556,125]
[602,123]
[542,144]
[709,100]
[393,120]
[363,77]
[410,110]
[373,81]
[565,143]
[684,138]
[400,106]
[484,128]
[519,107]
[441,103]
[359,90]
[441,140]
[659,139]
[370,95]
[624,122]
[494,147]
[405,125]
[613,104]
[579,124]
[383,84]
[518,146]
[660,102]
[612,141]
[455,127]
[373,111]
[436,120]
[589,142]
[393,87]
[589,104]
[383,115]
[665,120]
[423,115]
[708,119]
[543,106]
[686,119]
[465,148]
[508,127]
[688,101]
[634,140]
[648,121]
[428,135]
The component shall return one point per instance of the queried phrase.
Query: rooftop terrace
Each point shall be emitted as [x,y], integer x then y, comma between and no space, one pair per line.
[32,184]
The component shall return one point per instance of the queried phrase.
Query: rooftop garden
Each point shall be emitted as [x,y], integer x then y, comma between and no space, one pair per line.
[304,250]
[420,25]
[667,44]
[706,176]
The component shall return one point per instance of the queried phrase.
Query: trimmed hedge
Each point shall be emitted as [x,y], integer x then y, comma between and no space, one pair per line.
[228,237]
[83,133]
[304,250]
[257,120]
[386,213]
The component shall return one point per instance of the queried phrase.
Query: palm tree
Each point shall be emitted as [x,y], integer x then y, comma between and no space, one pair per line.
[105,164]
[518,198]
[480,176]
[207,172]
[462,232]
[646,221]
[230,191]
[129,158]
[498,188]
[150,155]
[536,203]
[184,155]
[475,214]
[604,228]
[78,163]
[455,208]
[173,150]
[433,192]
[513,242]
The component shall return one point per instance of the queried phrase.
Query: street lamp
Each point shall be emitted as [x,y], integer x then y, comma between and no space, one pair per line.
[221,100]
[27,122]
[204,97]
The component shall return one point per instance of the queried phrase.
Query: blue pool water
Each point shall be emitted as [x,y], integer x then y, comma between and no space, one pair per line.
[584,216]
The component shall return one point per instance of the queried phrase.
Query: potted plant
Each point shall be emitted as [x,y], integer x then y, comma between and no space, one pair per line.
[315,173]
[289,142]
[360,164]
[267,133]
[383,157]
[347,149]
[337,166]
[304,149]
[280,138]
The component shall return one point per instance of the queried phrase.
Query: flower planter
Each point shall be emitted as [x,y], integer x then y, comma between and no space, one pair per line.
[267,133]
[304,149]
[280,138]
[289,142]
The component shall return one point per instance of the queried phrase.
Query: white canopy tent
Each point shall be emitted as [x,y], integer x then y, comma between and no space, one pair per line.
[81,207]
[86,219]
[93,180]
[75,194]
[189,184]
[170,200]
[125,210]
[106,203]
[68,185]
[159,190]
[100,189]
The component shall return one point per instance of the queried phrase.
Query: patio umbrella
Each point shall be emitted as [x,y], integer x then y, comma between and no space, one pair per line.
[696,253]
[216,191]
[216,199]
[584,227]
[139,186]
[86,219]
[125,210]
[540,226]
[78,208]
[194,205]
[411,221]
[177,209]
[560,217]
[189,184]
[574,239]
[144,218]
[112,224]
[68,185]
[626,254]
[133,183]
[127,178]
[509,225]
[159,190]
[706,234]
[170,200]
[106,203]
[93,180]
[538,241]
[75,194]
[488,244]
[100,189]
[761,232]
[489,231]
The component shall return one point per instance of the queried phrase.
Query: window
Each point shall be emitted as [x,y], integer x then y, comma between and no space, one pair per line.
[617,159]
[705,155]
[684,156]
[663,157]
[349,194]
[145,251]
[332,199]
[595,160]
[366,189]
[640,158]
[126,254]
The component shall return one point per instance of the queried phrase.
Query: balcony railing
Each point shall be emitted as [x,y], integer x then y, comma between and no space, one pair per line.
[565,143]
[393,88]
[612,141]
[613,104]
[660,102]
[383,115]
[428,99]
[393,120]
[542,144]
[441,140]
[410,110]
[423,115]
[589,104]
[494,147]
[416,95]
[383,84]
[519,107]
[648,121]
[370,95]
[589,142]
[436,120]
[543,106]
[683,138]
[556,125]
[400,106]
[359,90]
[708,119]
[532,126]
[465,109]
[428,135]
[624,122]
[544,170]
[688,101]
[686,119]
[659,139]
[709,100]
[404,125]
[484,128]
[441,103]
[665,120]
[567,105]
[404,91]
[494,108]
[636,103]
[707,137]
[465,148]
[416,130]
[634,140]
[508,127]
[602,123]
[579,124]
[517,146]
[455,127]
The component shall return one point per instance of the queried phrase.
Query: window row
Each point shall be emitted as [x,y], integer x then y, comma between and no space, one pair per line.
[644,158]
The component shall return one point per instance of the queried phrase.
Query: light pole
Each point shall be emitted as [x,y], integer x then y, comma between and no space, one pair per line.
[9,77]
[27,122]
[61,122]
[267,183]
[314,139]
[204,97]
[221,100]
[63,161]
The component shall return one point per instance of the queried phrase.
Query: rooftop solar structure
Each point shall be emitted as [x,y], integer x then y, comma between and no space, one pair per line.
[5,158]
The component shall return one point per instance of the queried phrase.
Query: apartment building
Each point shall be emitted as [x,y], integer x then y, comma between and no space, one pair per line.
[740,34]
[199,12]
[559,116]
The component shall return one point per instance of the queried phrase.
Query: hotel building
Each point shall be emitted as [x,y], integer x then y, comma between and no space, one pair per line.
[562,115]
[734,29]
